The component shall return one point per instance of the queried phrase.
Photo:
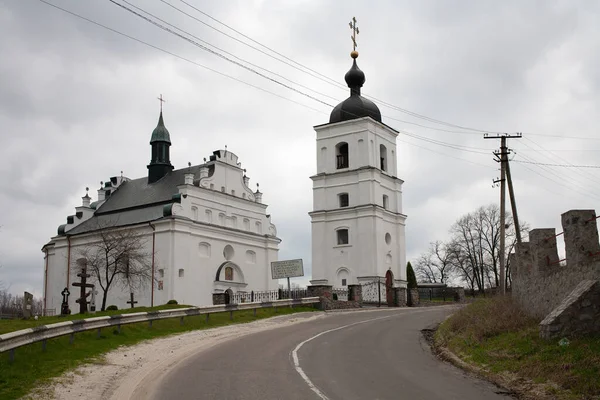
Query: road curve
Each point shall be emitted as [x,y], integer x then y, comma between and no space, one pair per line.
[378,354]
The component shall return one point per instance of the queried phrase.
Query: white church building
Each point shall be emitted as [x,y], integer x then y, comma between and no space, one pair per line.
[357,221]
[205,231]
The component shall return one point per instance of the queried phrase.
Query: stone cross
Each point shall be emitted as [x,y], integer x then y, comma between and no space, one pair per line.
[82,286]
[64,307]
[132,302]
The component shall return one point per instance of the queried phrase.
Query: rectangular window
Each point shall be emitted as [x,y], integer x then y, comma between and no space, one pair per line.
[344,200]
[342,236]
[344,282]
[181,272]
[385,202]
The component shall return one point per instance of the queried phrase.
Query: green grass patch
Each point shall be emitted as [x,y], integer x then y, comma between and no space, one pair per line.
[33,367]
[10,325]
[496,335]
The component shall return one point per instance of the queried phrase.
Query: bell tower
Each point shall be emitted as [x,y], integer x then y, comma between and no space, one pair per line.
[358,228]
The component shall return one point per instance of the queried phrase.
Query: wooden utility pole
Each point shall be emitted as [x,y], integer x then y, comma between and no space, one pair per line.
[503,159]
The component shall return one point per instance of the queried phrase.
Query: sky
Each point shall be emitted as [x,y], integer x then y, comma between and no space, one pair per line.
[79,103]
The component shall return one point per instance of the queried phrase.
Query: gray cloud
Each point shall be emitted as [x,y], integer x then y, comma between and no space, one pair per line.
[78,106]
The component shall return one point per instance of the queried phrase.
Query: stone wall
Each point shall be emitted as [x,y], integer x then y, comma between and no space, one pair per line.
[355,293]
[218,298]
[328,304]
[540,281]
[323,292]
[413,297]
[400,297]
[578,314]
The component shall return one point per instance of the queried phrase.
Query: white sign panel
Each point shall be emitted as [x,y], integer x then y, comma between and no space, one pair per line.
[287,269]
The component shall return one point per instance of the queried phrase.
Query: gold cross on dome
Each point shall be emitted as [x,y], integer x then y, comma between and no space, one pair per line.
[354,32]
[160,98]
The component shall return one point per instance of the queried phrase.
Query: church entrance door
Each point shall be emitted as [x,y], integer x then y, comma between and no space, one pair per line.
[228,294]
[389,288]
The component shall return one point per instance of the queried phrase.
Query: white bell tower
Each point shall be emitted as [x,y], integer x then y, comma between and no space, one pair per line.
[357,221]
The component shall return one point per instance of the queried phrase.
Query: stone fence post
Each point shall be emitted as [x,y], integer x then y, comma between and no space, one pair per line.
[543,250]
[581,236]
[400,298]
[355,293]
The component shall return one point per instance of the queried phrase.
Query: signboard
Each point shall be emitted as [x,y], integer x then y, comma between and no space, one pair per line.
[287,269]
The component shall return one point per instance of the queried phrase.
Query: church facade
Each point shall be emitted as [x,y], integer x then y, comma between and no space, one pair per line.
[204,231]
[358,228]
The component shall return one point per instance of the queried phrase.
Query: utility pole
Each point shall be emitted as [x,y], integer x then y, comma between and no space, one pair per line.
[503,159]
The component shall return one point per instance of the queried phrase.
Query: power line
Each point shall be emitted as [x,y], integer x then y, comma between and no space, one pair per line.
[329,80]
[558,165]
[226,52]
[249,84]
[201,46]
[178,56]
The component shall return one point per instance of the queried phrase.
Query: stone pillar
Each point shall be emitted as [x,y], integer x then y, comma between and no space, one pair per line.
[355,293]
[413,297]
[521,262]
[400,299]
[459,294]
[543,250]
[218,298]
[581,236]
[320,291]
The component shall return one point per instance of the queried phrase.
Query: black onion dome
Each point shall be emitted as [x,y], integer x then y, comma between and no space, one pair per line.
[355,106]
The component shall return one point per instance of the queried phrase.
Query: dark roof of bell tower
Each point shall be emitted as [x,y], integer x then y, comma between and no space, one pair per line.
[355,106]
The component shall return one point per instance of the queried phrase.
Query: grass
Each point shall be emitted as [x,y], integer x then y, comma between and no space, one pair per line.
[494,334]
[33,367]
[10,325]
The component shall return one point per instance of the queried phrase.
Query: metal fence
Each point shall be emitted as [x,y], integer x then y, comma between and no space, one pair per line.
[267,295]
[12,340]
[437,294]
[340,294]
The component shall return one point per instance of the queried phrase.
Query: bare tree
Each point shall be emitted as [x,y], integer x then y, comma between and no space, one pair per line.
[435,265]
[118,256]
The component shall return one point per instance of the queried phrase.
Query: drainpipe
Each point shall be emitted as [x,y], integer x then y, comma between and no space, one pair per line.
[45,282]
[68,260]
[153,243]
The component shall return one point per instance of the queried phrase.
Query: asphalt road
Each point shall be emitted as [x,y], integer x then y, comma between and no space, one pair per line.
[351,355]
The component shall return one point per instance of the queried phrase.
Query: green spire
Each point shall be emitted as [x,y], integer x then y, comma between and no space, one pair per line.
[160,133]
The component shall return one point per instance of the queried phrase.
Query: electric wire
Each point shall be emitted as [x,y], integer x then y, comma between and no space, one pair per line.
[236,79]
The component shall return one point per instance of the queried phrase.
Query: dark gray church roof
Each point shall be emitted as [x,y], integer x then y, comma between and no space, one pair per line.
[138,192]
[136,201]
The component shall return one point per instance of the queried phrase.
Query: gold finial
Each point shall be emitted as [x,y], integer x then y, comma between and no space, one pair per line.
[355,32]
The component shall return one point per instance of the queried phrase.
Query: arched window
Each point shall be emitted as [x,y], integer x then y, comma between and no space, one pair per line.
[341,154]
[246,224]
[258,227]
[343,199]
[195,213]
[222,219]
[208,216]
[386,202]
[228,273]
[342,236]
[383,157]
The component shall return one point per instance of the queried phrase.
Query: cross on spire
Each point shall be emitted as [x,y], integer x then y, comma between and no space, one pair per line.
[160,98]
[354,32]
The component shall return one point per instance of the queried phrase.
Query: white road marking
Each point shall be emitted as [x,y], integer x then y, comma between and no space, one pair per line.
[297,362]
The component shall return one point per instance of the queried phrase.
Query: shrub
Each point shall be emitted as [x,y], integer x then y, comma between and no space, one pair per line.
[112,307]
[172,302]
[410,276]
[486,318]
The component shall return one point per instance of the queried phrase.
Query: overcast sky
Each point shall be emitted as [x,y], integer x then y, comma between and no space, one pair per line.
[78,104]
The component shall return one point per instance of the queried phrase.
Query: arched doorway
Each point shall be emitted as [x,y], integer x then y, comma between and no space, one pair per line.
[228,294]
[389,288]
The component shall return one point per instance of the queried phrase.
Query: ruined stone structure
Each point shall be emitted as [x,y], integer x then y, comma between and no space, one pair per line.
[565,293]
